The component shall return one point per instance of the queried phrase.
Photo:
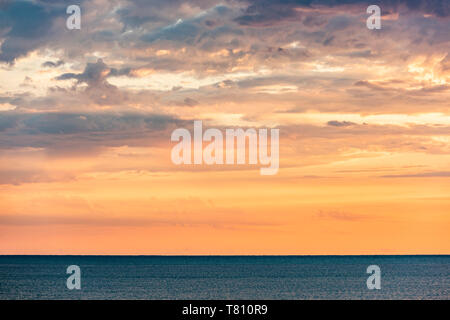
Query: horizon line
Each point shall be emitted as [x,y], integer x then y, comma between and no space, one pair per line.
[223,255]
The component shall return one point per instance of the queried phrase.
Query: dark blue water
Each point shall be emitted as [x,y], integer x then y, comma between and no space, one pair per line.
[263,277]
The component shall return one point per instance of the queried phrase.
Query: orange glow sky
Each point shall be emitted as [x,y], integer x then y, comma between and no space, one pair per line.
[86,117]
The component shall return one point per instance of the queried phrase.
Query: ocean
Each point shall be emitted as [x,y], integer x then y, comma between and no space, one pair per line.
[225,277]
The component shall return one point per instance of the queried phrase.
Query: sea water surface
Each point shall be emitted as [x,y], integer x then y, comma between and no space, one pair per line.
[225,277]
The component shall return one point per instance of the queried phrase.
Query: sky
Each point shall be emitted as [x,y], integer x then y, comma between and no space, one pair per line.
[86,118]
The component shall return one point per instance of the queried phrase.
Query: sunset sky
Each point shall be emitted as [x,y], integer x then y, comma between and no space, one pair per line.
[86,118]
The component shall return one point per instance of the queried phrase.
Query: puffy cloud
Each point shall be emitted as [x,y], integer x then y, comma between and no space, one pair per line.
[95,74]
[99,89]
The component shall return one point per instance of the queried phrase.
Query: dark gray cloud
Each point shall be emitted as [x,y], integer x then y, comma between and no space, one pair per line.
[189,102]
[8,121]
[207,25]
[359,54]
[180,32]
[95,74]
[99,89]
[268,12]
[84,133]
[53,64]
[26,25]
[136,13]
[335,123]
[70,123]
